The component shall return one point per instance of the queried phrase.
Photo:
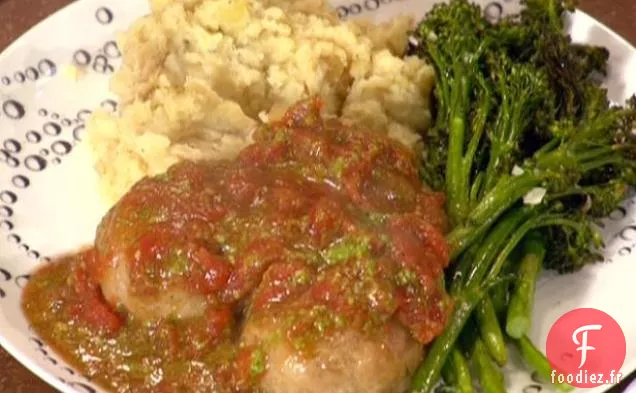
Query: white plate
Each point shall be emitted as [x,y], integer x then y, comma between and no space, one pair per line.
[48,199]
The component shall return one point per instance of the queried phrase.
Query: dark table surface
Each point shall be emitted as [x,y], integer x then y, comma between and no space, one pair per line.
[16,16]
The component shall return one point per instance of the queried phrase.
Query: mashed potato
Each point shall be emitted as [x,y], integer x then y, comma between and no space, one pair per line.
[199,75]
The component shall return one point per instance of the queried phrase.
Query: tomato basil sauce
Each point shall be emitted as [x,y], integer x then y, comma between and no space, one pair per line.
[317,224]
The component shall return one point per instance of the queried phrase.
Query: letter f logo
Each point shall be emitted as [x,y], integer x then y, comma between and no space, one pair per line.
[583,344]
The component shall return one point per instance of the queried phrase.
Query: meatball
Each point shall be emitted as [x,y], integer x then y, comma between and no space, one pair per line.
[176,302]
[156,249]
[346,361]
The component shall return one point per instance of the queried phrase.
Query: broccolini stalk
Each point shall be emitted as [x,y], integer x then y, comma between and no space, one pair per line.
[448,374]
[460,97]
[538,362]
[500,298]
[520,309]
[523,90]
[477,267]
[427,375]
[489,374]
[579,231]
[488,262]
[490,331]
[457,79]
[559,170]
[456,372]
[500,294]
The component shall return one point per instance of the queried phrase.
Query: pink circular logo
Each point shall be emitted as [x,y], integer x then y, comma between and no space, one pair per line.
[586,348]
